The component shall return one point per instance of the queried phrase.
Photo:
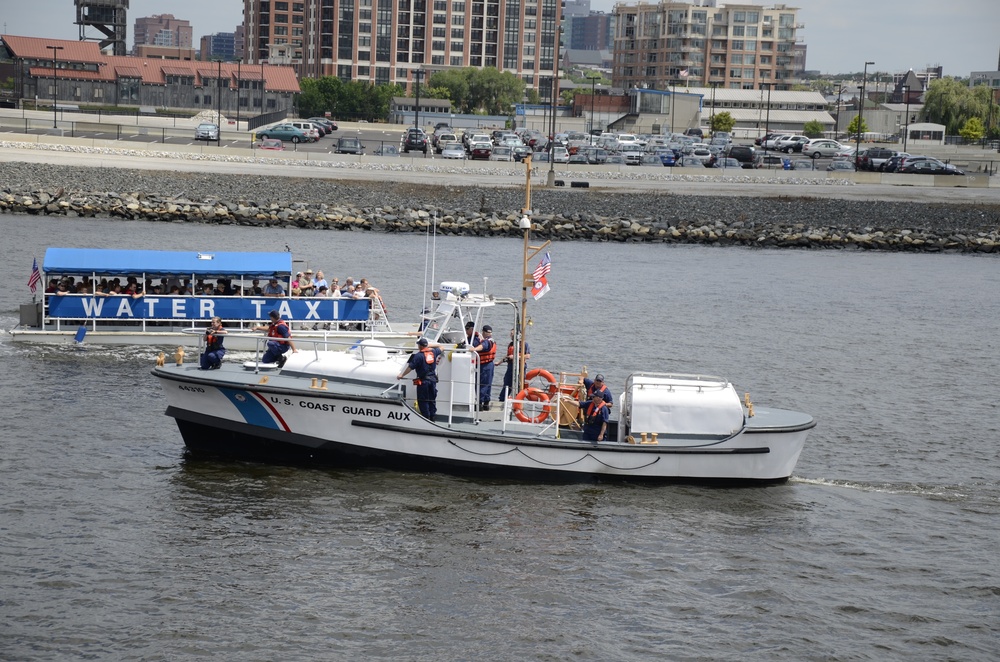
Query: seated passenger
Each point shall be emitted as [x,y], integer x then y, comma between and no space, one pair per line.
[273,288]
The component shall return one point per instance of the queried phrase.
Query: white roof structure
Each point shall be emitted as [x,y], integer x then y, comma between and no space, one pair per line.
[750,108]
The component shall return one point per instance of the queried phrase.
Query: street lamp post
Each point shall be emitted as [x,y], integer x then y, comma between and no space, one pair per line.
[906,120]
[861,110]
[239,92]
[711,122]
[767,118]
[218,104]
[554,88]
[55,116]
[262,87]
[593,92]
[836,126]
[417,74]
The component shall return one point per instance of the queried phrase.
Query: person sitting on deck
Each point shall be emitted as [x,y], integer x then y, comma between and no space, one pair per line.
[274,288]
[211,358]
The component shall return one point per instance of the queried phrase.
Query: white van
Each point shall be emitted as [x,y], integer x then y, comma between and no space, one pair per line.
[308,128]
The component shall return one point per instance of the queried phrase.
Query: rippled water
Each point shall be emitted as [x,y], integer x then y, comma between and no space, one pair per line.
[882,547]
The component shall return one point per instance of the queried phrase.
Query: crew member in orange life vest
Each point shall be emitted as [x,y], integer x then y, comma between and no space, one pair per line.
[487,350]
[276,349]
[597,384]
[211,358]
[595,417]
[508,377]
[424,362]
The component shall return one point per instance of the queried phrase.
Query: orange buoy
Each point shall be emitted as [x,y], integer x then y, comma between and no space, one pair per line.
[531,394]
[553,387]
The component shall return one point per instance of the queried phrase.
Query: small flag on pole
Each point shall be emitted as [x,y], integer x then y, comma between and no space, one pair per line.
[540,275]
[36,276]
[684,73]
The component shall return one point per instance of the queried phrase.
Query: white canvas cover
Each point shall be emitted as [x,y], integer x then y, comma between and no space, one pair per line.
[686,406]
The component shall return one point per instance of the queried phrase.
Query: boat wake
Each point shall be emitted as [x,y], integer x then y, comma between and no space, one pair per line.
[953,493]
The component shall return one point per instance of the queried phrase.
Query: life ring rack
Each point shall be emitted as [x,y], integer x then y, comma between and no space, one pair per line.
[554,388]
[531,394]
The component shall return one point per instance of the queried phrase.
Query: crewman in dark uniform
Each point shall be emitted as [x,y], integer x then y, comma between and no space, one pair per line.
[424,362]
[595,417]
[487,350]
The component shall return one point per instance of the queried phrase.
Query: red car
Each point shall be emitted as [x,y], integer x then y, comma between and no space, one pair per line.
[481,151]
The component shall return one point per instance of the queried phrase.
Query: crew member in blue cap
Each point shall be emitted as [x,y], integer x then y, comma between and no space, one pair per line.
[277,348]
[423,363]
[597,385]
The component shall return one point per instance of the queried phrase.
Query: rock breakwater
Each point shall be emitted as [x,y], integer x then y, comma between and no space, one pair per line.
[582,215]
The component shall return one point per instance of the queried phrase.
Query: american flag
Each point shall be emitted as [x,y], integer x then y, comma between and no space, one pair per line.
[540,274]
[36,276]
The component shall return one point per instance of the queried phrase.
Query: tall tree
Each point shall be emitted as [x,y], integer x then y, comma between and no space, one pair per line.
[723,121]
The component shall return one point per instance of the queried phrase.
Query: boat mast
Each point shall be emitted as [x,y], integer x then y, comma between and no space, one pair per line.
[527,277]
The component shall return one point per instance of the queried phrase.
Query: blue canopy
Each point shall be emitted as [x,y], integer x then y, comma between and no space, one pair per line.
[81,261]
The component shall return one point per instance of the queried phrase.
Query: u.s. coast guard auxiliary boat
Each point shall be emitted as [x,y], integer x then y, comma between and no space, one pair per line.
[347,407]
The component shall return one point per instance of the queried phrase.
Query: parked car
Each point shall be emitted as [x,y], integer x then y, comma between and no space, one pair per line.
[803,165]
[841,165]
[415,140]
[309,128]
[386,150]
[930,167]
[272,144]
[742,153]
[502,153]
[349,145]
[521,152]
[285,132]
[560,155]
[721,138]
[703,153]
[453,151]
[772,142]
[440,140]
[873,157]
[650,160]
[690,162]
[819,147]
[206,131]
[480,150]
[893,163]
[759,141]
[768,161]
[329,125]
[727,162]
[615,159]
[793,143]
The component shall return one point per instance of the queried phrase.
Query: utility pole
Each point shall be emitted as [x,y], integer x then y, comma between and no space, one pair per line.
[417,74]
[55,86]
[861,110]
[906,123]
[836,126]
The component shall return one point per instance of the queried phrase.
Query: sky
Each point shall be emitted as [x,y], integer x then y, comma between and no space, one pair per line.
[960,35]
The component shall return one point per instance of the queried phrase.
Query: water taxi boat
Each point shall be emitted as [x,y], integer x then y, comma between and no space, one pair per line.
[153,317]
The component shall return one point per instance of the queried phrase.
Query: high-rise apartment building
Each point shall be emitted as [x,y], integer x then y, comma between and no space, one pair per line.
[388,41]
[218,46]
[163,30]
[736,46]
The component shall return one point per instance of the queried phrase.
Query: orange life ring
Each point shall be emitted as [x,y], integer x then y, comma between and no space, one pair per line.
[553,388]
[533,395]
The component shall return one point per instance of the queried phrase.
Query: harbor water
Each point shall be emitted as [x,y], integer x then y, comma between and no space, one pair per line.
[882,546]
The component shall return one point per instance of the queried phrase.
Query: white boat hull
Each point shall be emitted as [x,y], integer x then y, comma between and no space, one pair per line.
[236,416]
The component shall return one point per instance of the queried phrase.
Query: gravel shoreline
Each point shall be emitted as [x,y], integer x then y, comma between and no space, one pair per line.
[581,214]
